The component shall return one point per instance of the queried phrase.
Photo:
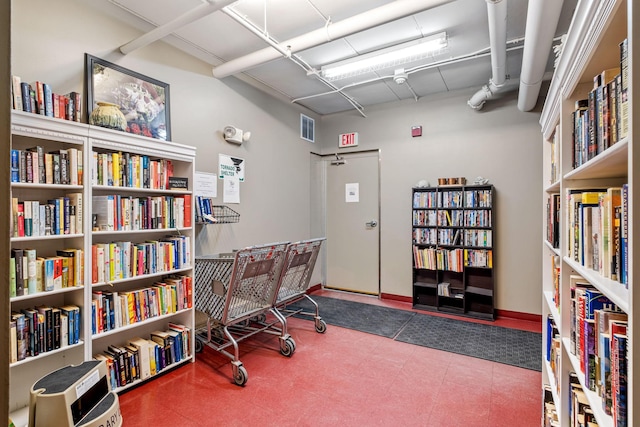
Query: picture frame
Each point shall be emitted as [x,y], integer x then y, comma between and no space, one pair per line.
[144,101]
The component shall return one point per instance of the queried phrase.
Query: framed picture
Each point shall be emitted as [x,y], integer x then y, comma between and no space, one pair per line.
[143,101]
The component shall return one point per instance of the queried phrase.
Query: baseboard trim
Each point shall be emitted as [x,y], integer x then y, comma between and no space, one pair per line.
[396,298]
[519,315]
[316,287]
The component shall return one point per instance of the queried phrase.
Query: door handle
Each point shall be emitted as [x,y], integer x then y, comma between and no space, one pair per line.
[373,223]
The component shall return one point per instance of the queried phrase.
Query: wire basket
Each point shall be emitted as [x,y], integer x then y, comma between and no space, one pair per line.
[220,214]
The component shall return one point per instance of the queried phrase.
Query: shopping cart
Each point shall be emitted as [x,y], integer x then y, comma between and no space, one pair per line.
[294,281]
[233,289]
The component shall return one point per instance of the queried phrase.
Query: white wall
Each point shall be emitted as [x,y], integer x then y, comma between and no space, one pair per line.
[499,143]
[49,42]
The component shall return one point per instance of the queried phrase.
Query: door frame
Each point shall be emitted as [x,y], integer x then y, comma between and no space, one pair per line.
[322,182]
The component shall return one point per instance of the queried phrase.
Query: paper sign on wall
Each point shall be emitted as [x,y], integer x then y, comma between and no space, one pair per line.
[231,190]
[352,192]
[205,184]
[229,166]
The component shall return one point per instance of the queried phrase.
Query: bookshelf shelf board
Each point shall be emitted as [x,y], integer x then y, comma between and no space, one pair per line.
[553,310]
[480,314]
[552,382]
[47,293]
[615,291]
[425,307]
[143,276]
[145,231]
[46,354]
[478,267]
[551,248]
[120,189]
[426,285]
[33,186]
[137,324]
[49,237]
[595,402]
[164,371]
[553,188]
[611,163]
[451,309]
[48,128]
[479,291]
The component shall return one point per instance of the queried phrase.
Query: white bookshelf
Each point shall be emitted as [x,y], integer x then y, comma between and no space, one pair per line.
[29,130]
[592,46]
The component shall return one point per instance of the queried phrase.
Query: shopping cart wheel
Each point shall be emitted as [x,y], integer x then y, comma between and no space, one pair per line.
[240,377]
[321,326]
[288,348]
[199,345]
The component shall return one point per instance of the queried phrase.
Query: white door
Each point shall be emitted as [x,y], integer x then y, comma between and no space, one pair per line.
[353,230]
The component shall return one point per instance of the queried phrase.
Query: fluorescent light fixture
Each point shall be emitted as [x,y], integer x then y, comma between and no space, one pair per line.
[387,58]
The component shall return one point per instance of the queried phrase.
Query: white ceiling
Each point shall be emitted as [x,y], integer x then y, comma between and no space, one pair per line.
[218,38]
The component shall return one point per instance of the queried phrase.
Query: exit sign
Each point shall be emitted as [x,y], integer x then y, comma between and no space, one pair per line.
[348,140]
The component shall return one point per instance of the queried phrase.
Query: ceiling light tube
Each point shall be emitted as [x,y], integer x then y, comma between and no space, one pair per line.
[386,58]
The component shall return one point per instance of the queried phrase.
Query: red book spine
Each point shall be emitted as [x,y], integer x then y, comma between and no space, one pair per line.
[187,210]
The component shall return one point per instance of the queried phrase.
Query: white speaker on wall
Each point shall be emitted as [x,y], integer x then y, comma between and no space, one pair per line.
[234,135]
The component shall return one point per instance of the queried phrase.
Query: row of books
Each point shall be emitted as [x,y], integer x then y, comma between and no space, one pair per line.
[446,290]
[425,236]
[33,165]
[62,215]
[580,411]
[554,156]
[38,98]
[473,218]
[602,119]
[478,199]
[549,411]
[120,169]
[124,259]
[111,310]
[37,330]
[553,220]
[30,274]
[452,218]
[555,279]
[439,259]
[480,238]
[139,358]
[125,213]
[598,230]
[478,258]
[452,199]
[598,339]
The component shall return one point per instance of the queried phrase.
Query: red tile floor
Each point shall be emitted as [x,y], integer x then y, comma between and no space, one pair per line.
[340,378]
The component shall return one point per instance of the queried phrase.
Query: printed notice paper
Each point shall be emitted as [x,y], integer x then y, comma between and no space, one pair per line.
[231,189]
[205,184]
[352,192]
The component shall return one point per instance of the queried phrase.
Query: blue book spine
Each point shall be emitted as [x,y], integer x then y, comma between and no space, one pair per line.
[48,100]
[26,97]
[76,335]
[15,165]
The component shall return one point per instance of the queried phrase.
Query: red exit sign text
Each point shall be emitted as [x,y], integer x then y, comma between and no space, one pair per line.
[348,140]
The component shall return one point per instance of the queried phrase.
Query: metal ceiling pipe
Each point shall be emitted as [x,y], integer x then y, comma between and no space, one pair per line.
[497,13]
[542,20]
[164,30]
[372,18]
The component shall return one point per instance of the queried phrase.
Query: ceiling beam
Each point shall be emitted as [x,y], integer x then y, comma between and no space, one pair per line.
[164,30]
[332,31]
